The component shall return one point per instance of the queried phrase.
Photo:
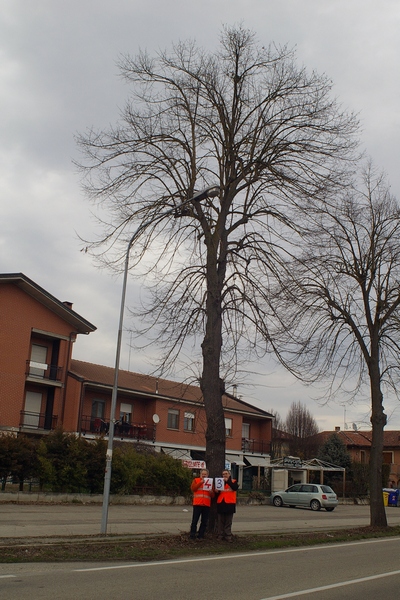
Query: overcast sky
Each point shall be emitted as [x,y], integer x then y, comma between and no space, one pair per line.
[59,77]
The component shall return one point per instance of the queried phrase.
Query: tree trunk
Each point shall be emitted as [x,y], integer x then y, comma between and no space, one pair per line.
[378,421]
[212,388]
[211,385]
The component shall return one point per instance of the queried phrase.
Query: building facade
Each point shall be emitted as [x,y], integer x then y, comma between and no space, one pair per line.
[358,444]
[42,387]
[37,333]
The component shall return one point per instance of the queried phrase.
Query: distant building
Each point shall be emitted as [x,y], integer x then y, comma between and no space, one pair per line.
[358,444]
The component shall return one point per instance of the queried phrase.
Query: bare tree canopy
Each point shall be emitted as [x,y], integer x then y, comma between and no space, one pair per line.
[270,135]
[299,421]
[301,426]
[338,311]
[277,434]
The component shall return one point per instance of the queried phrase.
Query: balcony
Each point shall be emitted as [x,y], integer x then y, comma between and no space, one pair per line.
[256,446]
[133,431]
[33,420]
[40,371]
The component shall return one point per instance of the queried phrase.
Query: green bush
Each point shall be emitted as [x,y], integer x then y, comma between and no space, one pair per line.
[135,471]
[18,458]
[95,465]
[62,463]
[66,463]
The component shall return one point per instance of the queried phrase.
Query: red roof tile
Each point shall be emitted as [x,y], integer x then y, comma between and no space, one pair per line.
[146,384]
[360,438]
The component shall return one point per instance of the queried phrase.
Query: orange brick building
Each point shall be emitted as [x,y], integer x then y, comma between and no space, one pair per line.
[42,387]
[358,444]
[37,333]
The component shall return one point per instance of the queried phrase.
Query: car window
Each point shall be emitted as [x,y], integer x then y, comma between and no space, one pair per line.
[326,489]
[294,488]
[308,488]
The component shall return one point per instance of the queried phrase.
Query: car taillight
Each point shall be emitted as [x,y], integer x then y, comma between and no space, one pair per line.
[324,497]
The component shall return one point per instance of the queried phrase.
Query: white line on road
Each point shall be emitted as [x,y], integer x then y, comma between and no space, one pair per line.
[323,588]
[5,576]
[241,556]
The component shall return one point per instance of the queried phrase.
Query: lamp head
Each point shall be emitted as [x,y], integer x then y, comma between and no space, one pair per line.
[209,192]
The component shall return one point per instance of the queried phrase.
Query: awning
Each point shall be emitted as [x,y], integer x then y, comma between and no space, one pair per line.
[235,458]
[257,461]
[179,453]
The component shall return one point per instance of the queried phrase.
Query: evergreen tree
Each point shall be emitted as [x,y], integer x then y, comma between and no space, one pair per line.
[334,451]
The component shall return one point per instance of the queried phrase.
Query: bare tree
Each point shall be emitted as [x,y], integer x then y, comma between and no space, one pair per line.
[278,436]
[338,309]
[301,425]
[278,421]
[269,134]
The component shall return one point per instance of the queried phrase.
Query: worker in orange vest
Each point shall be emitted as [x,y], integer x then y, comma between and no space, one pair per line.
[202,493]
[226,507]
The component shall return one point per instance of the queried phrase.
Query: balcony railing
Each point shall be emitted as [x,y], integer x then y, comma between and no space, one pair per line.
[256,446]
[136,431]
[43,371]
[33,420]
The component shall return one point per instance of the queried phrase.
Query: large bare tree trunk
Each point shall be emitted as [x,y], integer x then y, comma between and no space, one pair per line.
[378,421]
[211,383]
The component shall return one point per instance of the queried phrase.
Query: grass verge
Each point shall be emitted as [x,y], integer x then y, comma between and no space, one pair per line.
[129,548]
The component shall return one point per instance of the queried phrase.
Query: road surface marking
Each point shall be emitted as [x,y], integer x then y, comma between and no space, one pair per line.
[323,588]
[241,556]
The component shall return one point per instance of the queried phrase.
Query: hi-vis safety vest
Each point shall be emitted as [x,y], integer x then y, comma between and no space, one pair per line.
[201,495]
[229,495]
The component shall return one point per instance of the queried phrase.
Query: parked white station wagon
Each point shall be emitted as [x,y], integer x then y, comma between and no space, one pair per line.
[306,494]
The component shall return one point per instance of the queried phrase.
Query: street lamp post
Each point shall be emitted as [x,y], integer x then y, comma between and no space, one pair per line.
[209,192]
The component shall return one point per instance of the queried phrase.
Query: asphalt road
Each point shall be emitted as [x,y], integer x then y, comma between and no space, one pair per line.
[25,521]
[364,570]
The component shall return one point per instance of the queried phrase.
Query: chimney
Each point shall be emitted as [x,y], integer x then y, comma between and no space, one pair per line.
[67,304]
[337,429]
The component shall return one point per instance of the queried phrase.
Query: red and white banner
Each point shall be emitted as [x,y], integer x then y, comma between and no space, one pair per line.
[194,464]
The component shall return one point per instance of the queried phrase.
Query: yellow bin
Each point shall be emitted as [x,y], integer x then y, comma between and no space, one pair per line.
[385,498]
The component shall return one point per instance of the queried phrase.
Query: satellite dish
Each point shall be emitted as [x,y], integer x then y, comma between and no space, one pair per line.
[355,426]
[156,418]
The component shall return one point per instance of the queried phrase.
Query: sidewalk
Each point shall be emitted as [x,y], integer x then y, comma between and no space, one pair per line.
[40,521]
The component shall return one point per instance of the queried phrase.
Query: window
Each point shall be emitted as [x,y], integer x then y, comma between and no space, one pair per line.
[173,419]
[98,409]
[97,423]
[188,421]
[294,488]
[33,404]
[388,458]
[246,437]
[37,365]
[228,427]
[309,489]
[125,413]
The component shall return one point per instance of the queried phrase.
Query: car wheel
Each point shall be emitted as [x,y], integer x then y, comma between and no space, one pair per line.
[315,505]
[277,501]
[330,509]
